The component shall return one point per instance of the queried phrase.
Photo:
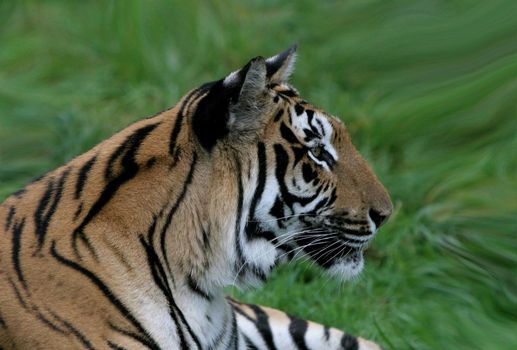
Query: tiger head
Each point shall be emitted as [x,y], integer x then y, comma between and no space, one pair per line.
[306,191]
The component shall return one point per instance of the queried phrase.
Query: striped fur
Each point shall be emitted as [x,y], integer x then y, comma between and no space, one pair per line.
[129,245]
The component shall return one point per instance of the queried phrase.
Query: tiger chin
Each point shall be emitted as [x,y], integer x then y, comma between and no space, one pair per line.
[131,244]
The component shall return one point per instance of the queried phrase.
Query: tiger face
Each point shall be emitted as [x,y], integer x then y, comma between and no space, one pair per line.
[321,200]
[308,192]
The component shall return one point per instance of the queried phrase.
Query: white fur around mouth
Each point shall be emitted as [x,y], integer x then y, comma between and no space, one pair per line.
[348,266]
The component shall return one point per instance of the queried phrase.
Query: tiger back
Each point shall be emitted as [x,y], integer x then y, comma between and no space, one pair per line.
[129,245]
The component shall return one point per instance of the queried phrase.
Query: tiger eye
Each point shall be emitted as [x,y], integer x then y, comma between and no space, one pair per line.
[317,151]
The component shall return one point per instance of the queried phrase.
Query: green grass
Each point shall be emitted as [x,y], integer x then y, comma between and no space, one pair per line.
[428,90]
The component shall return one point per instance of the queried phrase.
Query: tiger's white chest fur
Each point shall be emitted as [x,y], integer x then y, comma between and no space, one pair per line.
[196,322]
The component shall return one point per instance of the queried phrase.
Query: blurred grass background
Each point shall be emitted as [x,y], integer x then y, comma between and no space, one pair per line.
[428,90]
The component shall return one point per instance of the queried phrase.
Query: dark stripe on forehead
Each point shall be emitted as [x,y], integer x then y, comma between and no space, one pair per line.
[298,108]
[288,134]
[310,114]
[321,127]
[288,93]
[310,120]
[310,135]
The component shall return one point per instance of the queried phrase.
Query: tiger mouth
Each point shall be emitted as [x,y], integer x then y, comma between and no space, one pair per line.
[333,248]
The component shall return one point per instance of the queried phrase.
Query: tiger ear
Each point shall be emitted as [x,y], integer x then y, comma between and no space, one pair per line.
[234,107]
[280,67]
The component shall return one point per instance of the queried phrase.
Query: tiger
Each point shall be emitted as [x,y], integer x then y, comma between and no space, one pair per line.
[131,244]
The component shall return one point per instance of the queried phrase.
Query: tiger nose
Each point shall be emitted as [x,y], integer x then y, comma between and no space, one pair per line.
[378,217]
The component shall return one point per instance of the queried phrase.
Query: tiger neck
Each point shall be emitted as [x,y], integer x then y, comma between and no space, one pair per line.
[187,207]
[183,214]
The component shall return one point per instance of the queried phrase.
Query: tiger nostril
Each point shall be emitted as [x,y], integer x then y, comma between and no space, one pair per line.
[377,217]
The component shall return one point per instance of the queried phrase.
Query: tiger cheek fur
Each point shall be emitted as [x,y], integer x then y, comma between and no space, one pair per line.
[317,197]
[130,245]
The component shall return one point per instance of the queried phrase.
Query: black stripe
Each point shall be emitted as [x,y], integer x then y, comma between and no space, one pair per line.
[332,198]
[137,337]
[310,116]
[349,342]
[252,229]
[279,114]
[308,172]
[9,219]
[160,279]
[326,333]
[175,207]
[235,333]
[179,120]
[263,326]
[104,289]
[321,126]
[19,193]
[127,151]
[240,198]
[349,231]
[310,135]
[282,162]
[277,211]
[35,311]
[17,235]
[115,346]
[288,93]
[82,176]
[87,344]
[299,152]
[2,323]
[236,308]
[220,336]
[298,108]
[78,211]
[298,329]
[319,205]
[288,134]
[194,286]
[42,220]
[17,293]
[249,344]
[39,215]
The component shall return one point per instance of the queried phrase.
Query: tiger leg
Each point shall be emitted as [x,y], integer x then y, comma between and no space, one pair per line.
[266,328]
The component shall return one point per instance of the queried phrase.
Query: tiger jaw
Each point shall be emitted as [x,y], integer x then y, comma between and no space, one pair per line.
[349,266]
[334,253]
